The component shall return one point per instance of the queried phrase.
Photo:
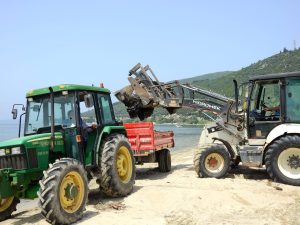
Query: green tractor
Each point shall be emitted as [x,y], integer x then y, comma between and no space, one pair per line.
[59,153]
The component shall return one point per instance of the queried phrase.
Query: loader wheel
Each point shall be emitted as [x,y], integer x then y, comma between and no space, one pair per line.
[283,160]
[164,161]
[117,166]
[63,192]
[7,207]
[213,161]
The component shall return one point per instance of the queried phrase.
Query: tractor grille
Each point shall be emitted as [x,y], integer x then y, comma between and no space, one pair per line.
[32,158]
[17,161]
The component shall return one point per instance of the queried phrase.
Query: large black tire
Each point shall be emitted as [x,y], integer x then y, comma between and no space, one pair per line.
[117,166]
[214,161]
[63,192]
[7,207]
[164,160]
[282,160]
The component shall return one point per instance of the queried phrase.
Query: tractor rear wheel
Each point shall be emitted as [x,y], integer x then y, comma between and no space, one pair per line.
[63,192]
[117,166]
[7,207]
[214,161]
[164,160]
[283,160]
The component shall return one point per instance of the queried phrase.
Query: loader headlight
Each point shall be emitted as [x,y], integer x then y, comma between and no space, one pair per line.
[2,152]
[16,150]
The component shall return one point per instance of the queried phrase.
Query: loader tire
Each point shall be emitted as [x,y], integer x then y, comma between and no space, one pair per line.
[282,160]
[117,166]
[214,161]
[63,192]
[164,161]
[7,207]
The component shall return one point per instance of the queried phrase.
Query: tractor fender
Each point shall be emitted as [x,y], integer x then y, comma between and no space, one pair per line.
[288,128]
[113,129]
[219,137]
[107,130]
[231,149]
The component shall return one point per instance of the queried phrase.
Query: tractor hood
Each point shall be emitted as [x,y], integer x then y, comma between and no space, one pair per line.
[27,139]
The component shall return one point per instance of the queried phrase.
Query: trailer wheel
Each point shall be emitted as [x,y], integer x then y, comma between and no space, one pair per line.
[213,161]
[164,160]
[283,160]
[7,207]
[63,192]
[117,166]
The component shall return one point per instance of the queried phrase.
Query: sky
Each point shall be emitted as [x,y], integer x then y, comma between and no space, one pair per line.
[45,43]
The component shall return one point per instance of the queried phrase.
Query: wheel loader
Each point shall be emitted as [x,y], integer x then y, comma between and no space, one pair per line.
[70,136]
[260,126]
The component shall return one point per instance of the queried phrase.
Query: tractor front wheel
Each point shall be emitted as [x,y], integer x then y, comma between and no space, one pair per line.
[283,160]
[117,166]
[213,161]
[7,207]
[63,192]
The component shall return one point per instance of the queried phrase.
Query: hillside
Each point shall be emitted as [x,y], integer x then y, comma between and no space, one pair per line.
[209,76]
[221,82]
[286,61]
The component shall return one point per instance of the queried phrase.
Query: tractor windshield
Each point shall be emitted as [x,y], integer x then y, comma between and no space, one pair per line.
[38,113]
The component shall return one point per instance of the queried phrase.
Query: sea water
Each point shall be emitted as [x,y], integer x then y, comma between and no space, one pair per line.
[8,129]
[186,136]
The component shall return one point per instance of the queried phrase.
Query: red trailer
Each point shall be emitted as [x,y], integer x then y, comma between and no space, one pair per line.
[149,145]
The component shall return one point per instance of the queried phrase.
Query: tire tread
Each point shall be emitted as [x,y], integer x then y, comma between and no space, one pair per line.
[48,199]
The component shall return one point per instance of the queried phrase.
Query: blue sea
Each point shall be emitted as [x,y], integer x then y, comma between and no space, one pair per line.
[9,129]
[186,136]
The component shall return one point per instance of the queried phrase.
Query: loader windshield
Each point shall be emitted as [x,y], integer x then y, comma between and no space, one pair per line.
[38,113]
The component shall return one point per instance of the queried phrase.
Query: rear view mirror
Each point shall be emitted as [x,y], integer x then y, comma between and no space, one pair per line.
[15,113]
[88,100]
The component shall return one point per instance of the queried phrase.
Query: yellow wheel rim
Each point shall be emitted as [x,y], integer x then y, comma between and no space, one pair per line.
[71,192]
[124,164]
[5,203]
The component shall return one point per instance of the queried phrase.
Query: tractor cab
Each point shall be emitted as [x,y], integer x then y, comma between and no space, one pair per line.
[80,113]
[273,101]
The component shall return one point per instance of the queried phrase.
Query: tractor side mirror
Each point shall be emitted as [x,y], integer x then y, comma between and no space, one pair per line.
[88,100]
[15,113]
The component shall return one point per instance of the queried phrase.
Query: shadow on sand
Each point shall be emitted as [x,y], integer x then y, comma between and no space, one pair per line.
[21,219]
[146,173]
[248,173]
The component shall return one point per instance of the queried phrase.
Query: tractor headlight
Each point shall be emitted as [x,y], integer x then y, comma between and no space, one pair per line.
[16,150]
[2,152]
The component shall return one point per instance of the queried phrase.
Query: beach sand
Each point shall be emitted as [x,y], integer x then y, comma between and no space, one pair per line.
[245,196]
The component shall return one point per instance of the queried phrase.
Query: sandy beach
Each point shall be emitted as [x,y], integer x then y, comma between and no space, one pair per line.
[245,196]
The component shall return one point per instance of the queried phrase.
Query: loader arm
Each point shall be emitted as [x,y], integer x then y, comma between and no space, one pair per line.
[145,93]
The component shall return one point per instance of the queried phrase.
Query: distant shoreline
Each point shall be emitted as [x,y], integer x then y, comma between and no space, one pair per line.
[182,124]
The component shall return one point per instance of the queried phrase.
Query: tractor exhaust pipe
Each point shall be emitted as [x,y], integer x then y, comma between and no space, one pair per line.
[236,95]
[52,119]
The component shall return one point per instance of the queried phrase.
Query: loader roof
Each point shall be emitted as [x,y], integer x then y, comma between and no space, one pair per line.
[275,76]
[66,87]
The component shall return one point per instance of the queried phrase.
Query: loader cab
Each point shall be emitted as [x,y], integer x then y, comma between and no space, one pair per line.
[80,114]
[274,99]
